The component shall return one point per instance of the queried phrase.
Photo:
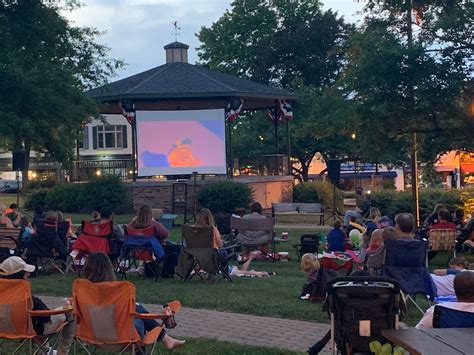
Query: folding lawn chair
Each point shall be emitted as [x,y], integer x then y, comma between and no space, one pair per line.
[15,318]
[445,317]
[360,308]
[266,225]
[405,261]
[309,243]
[94,238]
[105,312]
[442,240]
[141,246]
[199,254]
[45,248]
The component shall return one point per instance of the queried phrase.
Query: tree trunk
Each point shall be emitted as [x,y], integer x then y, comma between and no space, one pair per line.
[24,172]
[305,171]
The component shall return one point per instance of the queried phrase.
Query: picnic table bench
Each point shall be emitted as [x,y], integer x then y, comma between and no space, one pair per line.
[9,237]
[446,341]
[299,208]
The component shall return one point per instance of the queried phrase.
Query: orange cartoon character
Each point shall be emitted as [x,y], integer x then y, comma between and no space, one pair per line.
[182,155]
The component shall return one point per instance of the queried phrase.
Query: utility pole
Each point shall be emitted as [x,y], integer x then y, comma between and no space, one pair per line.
[414,155]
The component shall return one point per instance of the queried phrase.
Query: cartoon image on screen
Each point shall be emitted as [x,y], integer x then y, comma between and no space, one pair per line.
[180,142]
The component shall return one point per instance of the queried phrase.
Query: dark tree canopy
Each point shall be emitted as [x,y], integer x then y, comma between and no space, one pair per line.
[414,78]
[46,64]
[291,44]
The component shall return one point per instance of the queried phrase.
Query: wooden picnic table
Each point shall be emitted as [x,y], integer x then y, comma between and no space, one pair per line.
[446,341]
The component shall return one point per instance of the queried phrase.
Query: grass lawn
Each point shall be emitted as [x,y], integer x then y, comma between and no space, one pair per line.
[276,296]
[7,199]
[202,346]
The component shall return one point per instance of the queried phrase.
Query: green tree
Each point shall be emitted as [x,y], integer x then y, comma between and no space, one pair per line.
[46,64]
[409,70]
[291,44]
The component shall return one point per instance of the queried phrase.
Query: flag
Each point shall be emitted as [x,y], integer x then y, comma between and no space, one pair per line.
[274,114]
[231,113]
[128,112]
[285,109]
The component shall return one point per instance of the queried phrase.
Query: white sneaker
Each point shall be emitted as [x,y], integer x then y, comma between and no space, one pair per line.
[305,297]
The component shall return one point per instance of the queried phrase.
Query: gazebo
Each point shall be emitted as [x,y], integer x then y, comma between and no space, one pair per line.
[178,85]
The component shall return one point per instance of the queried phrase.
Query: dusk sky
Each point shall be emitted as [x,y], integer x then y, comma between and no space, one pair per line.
[137,30]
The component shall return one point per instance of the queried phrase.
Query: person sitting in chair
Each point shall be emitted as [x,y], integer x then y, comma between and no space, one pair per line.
[464,290]
[255,239]
[144,219]
[14,268]
[443,221]
[98,268]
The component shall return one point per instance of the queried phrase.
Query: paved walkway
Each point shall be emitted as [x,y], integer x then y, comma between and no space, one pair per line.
[314,227]
[239,328]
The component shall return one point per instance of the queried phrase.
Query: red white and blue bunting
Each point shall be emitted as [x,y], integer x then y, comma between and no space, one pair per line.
[128,111]
[233,109]
[280,112]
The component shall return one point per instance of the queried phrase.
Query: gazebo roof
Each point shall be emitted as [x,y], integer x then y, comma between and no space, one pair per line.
[179,80]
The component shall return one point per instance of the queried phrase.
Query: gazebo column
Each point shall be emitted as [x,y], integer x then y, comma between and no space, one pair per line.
[134,150]
[277,145]
[288,146]
[230,154]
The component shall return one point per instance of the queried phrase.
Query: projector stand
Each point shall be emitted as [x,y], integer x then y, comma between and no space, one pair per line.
[180,199]
[195,173]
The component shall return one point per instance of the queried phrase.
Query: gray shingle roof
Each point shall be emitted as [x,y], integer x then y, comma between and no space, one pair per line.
[181,81]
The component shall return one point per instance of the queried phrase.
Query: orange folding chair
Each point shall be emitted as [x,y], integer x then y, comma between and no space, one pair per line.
[15,318]
[104,314]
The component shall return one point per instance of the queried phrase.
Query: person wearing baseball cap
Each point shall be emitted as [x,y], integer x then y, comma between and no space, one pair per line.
[15,267]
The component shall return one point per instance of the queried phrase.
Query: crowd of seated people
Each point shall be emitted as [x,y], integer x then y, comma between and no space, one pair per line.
[376,229]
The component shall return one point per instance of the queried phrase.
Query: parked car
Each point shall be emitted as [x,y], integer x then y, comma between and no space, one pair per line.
[3,184]
[12,187]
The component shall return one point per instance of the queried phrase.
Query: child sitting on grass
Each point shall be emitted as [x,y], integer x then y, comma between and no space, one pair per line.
[309,265]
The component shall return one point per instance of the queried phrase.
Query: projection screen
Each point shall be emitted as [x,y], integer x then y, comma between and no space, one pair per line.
[181,142]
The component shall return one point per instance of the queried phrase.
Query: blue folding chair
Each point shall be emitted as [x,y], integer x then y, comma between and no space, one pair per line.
[405,261]
[444,317]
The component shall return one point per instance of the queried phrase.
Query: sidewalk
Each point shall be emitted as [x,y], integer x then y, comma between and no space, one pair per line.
[239,328]
[312,226]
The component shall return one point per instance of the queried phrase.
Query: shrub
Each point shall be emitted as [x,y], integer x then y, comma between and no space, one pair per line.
[38,184]
[102,192]
[35,198]
[392,202]
[66,198]
[108,192]
[225,197]
[317,191]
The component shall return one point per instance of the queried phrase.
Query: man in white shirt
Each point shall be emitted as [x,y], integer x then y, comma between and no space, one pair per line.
[464,290]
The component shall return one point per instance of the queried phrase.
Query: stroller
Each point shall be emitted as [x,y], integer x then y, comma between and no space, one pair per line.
[360,308]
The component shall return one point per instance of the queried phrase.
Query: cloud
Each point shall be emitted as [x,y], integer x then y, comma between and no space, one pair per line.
[137,30]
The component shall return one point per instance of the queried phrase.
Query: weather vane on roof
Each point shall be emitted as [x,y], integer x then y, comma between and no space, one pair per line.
[176,29]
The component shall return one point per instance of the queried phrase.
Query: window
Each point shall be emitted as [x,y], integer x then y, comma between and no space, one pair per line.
[110,137]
